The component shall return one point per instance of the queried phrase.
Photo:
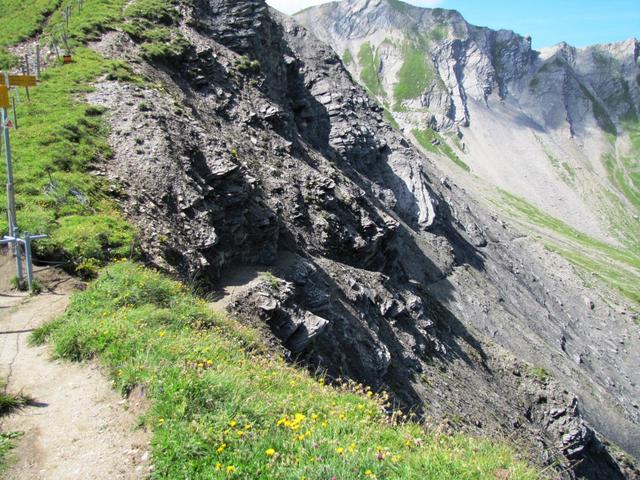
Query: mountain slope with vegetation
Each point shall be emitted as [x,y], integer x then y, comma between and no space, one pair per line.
[556,128]
[221,407]
[235,137]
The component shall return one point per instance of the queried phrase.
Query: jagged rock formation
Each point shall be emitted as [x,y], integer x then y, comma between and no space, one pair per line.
[393,276]
[539,125]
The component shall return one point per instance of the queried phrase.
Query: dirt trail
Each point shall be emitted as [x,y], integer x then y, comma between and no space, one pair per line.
[78,427]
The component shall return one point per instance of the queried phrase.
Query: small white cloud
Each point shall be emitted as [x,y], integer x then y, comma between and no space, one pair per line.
[293,6]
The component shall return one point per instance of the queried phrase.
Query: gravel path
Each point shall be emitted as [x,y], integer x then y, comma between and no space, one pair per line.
[78,427]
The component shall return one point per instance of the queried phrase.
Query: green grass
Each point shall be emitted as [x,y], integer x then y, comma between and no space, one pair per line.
[58,140]
[347,57]
[626,174]
[6,444]
[153,23]
[439,33]
[623,168]
[540,373]
[415,74]
[619,267]
[20,22]
[562,168]
[8,404]
[425,137]
[369,62]
[60,137]
[398,5]
[218,402]
[388,116]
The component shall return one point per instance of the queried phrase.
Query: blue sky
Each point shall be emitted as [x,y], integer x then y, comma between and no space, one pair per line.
[578,22]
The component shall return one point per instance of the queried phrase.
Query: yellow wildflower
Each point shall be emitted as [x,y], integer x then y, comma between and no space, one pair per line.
[270,452]
[340,450]
[233,423]
[162,333]
[231,469]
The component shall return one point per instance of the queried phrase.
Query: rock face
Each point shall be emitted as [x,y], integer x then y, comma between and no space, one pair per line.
[552,127]
[393,276]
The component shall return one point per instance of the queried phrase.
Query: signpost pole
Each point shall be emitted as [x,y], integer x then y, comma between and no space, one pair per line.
[26,71]
[38,61]
[11,199]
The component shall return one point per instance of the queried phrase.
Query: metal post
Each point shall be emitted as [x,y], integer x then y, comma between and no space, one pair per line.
[11,199]
[15,116]
[26,71]
[27,255]
[38,61]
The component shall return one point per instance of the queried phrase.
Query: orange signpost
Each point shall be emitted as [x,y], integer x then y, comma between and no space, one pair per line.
[4,97]
[22,81]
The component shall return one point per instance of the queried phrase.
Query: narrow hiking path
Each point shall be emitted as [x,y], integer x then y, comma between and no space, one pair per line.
[77,427]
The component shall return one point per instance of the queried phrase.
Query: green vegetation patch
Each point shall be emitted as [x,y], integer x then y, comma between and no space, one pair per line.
[370,63]
[398,5]
[415,75]
[619,267]
[20,22]
[347,57]
[153,23]
[220,407]
[431,141]
[8,404]
[388,116]
[58,141]
[438,33]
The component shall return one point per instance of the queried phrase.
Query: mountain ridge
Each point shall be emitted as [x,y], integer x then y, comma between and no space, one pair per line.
[557,128]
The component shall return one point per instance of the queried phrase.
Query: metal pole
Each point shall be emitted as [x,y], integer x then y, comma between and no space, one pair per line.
[27,254]
[38,61]
[15,116]
[26,71]
[11,199]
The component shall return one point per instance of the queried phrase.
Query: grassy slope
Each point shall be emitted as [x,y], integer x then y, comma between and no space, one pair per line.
[19,23]
[616,266]
[425,137]
[369,62]
[414,76]
[60,137]
[219,405]
[222,408]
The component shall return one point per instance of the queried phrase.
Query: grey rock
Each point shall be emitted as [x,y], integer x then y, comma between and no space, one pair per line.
[391,278]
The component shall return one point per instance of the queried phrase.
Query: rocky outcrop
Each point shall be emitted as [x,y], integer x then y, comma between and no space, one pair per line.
[397,279]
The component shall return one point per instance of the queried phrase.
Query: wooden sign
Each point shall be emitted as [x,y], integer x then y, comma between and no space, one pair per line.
[22,81]
[4,97]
